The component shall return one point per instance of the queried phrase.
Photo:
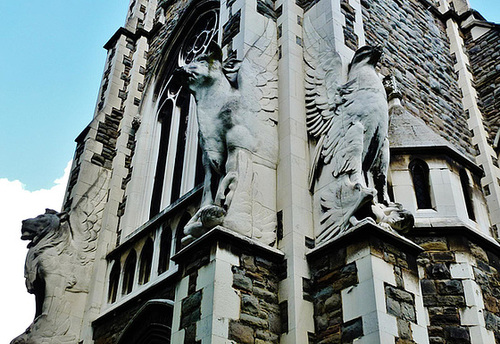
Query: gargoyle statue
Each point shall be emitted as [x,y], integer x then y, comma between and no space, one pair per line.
[350,123]
[58,264]
[236,112]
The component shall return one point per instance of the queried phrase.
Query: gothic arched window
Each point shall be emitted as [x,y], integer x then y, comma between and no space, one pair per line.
[129,273]
[467,191]
[114,279]
[145,262]
[420,176]
[165,247]
[179,156]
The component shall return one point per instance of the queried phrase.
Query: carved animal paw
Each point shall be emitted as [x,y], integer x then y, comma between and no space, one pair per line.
[205,219]
[226,189]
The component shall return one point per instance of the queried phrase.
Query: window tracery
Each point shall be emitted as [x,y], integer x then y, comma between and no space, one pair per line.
[179,157]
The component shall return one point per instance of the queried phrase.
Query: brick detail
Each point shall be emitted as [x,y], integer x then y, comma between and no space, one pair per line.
[107,134]
[330,275]
[350,37]
[231,28]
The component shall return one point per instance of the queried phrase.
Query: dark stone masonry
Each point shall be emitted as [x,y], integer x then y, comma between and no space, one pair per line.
[417,52]
[484,58]
[256,280]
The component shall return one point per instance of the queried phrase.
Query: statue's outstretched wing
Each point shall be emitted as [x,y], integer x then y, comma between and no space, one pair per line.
[85,219]
[258,75]
[323,69]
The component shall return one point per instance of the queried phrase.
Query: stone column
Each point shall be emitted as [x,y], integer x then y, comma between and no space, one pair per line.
[365,286]
[228,291]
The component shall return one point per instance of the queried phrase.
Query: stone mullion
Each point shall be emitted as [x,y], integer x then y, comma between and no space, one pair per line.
[293,194]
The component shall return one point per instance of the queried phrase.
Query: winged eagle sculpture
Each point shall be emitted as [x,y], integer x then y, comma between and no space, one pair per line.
[349,121]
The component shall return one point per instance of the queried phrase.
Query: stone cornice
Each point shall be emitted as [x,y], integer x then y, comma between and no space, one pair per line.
[222,234]
[363,231]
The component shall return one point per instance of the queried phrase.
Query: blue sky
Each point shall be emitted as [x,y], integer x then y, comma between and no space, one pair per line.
[52,61]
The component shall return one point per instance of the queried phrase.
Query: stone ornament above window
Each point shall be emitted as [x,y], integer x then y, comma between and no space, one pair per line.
[347,118]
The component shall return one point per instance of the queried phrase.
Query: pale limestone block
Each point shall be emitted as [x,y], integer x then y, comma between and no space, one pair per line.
[227,256]
[205,276]
[358,300]
[471,316]
[419,333]
[473,294]
[220,327]
[358,253]
[462,270]
[388,325]
[204,328]
[383,271]
[480,335]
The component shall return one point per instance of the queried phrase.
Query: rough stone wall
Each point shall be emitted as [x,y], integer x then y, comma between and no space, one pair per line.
[417,52]
[487,275]
[108,329]
[260,322]
[330,275]
[443,294]
[173,10]
[484,55]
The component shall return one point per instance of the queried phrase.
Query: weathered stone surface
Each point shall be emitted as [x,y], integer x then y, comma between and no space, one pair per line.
[241,333]
[61,253]
[417,49]
[352,329]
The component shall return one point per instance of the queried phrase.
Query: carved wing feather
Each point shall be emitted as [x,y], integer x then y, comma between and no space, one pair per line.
[85,218]
[258,75]
[323,75]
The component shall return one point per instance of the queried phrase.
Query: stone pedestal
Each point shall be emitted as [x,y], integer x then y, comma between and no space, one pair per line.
[460,279]
[365,287]
[228,291]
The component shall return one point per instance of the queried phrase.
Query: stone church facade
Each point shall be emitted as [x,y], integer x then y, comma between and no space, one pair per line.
[214,197]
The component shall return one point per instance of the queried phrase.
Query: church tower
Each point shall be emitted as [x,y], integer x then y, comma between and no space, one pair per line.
[278,171]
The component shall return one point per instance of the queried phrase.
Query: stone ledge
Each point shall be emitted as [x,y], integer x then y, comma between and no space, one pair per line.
[220,233]
[459,229]
[364,230]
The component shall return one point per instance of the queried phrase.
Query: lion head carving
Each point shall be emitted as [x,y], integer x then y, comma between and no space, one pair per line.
[44,226]
[49,234]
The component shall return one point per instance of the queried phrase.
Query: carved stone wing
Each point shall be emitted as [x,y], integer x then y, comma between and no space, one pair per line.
[85,218]
[323,67]
[258,75]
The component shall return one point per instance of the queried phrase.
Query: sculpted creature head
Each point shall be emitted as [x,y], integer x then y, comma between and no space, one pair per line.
[43,226]
[207,68]
[366,55]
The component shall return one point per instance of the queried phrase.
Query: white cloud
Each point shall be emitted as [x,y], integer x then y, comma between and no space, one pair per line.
[17,204]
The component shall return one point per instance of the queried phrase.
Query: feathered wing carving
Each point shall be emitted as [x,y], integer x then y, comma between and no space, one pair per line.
[85,218]
[323,76]
[59,264]
[258,86]
[348,119]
